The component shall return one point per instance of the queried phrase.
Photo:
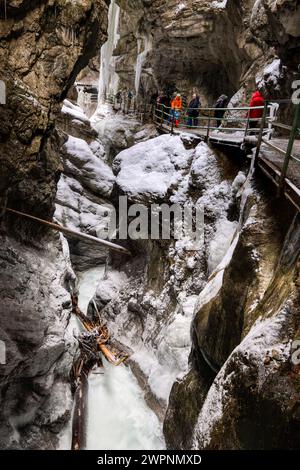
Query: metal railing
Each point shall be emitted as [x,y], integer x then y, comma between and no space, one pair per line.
[287,153]
[234,120]
[138,108]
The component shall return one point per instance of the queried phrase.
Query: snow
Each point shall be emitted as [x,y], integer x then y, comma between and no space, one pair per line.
[113,281]
[163,168]
[219,4]
[149,169]
[214,285]
[180,7]
[205,174]
[221,242]
[270,76]
[75,112]
[238,182]
[170,360]
[82,163]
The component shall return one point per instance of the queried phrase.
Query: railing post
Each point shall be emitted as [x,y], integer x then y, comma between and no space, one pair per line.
[247,125]
[172,124]
[289,149]
[208,126]
[261,132]
[162,115]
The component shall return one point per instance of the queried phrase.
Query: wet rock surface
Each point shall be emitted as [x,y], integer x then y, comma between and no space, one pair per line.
[229,42]
[44,47]
[251,403]
[35,312]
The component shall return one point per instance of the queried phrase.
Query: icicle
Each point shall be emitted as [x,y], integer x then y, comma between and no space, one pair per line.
[255,10]
[141,58]
[108,82]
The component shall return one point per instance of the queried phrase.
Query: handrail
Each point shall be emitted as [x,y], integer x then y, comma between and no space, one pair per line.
[204,119]
[288,156]
[164,113]
[184,108]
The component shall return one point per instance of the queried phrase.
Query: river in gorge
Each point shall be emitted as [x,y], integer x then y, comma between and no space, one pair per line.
[118,416]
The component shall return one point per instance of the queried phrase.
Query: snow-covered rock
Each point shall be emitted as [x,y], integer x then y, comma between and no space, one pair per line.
[35,326]
[149,171]
[153,311]
[74,112]
[80,161]
[79,209]
[118,132]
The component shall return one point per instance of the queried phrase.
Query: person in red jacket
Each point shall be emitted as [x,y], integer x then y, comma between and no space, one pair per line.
[255,115]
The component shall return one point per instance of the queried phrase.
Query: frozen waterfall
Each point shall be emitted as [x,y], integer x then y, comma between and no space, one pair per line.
[141,58]
[108,82]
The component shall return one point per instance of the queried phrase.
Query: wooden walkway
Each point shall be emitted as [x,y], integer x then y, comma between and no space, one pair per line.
[271,163]
[235,139]
[274,158]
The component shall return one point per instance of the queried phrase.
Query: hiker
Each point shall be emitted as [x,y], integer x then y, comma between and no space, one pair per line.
[154,98]
[119,97]
[222,102]
[130,98]
[255,115]
[162,103]
[176,108]
[193,111]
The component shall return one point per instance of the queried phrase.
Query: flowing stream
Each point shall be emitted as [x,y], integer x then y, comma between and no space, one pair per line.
[118,416]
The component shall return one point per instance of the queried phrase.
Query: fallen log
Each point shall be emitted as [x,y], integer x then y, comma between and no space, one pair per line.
[99,330]
[92,343]
[71,233]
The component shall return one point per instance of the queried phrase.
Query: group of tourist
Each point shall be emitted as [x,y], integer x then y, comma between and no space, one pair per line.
[171,109]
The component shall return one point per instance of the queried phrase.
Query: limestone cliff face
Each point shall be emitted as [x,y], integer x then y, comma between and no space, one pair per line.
[245,322]
[213,47]
[44,45]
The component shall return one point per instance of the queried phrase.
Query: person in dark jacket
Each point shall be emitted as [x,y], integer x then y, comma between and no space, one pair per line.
[162,104]
[194,111]
[222,102]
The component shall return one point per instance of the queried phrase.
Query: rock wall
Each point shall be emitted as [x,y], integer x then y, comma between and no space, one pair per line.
[44,45]
[245,322]
[212,47]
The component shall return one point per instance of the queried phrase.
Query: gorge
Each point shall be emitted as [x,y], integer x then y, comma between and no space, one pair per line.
[210,332]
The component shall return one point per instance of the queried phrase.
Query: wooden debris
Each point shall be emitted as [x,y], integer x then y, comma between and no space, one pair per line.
[99,331]
[93,343]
